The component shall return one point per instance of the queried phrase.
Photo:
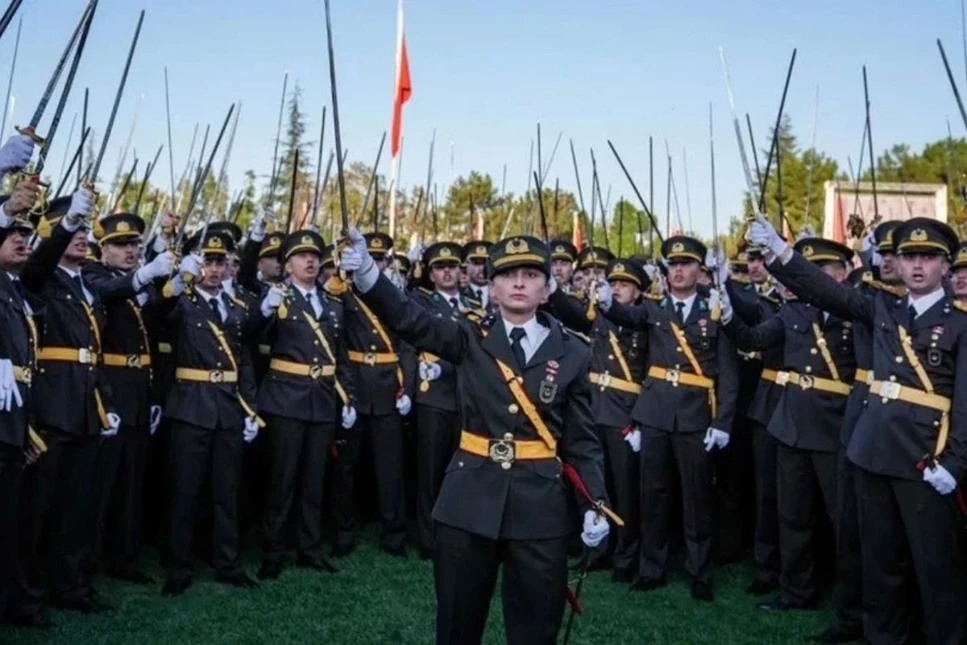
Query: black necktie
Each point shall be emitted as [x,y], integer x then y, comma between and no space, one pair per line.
[79,282]
[311,299]
[913,315]
[213,302]
[19,286]
[516,334]
[680,308]
[480,295]
[454,304]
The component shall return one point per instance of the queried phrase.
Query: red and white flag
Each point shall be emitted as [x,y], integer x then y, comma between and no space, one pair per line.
[404,87]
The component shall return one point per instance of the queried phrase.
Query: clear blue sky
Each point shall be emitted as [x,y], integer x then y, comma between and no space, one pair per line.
[485,72]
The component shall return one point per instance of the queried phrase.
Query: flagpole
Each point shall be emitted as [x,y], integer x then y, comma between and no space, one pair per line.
[396,84]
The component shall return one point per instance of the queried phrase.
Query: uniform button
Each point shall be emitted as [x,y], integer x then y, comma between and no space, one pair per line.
[315,360]
[372,348]
[512,408]
[795,326]
[505,465]
[610,357]
[936,424]
[899,359]
[460,464]
[508,436]
[520,379]
[375,332]
[678,367]
[678,349]
[892,378]
[813,351]
[808,369]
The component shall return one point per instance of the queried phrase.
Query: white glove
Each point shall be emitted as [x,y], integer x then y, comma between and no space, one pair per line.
[394,277]
[596,528]
[762,233]
[552,285]
[158,243]
[348,416]
[403,405]
[114,423]
[356,258]
[715,438]
[257,234]
[940,478]
[634,440]
[191,264]
[9,390]
[726,302]
[155,418]
[82,205]
[415,254]
[273,299]
[714,298]
[251,430]
[15,153]
[605,295]
[868,240]
[159,267]
[429,371]
[721,269]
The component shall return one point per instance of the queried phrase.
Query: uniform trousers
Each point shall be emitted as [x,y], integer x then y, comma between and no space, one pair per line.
[622,466]
[11,469]
[848,594]
[298,454]
[766,545]
[465,569]
[386,435]
[194,454]
[437,437]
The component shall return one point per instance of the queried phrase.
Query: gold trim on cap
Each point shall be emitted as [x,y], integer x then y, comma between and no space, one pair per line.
[525,257]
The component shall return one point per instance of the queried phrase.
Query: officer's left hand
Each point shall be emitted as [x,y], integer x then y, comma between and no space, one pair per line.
[715,438]
[429,371]
[155,418]
[348,416]
[394,277]
[82,205]
[726,302]
[160,267]
[114,424]
[251,430]
[940,478]
[605,295]
[596,528]
[634,440]
[763,234]
[15,153]
[403,405]
[9,390]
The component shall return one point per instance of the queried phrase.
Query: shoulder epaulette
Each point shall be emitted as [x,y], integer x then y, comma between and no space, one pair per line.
[570,332]
[238,301]
[959,305]
[424,291]
[652,296]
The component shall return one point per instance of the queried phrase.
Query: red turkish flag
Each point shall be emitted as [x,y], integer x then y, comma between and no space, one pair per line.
[404,88]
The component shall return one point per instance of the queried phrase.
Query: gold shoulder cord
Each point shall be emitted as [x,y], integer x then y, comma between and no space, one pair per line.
[616,348]
[382,334]
[517,391]
[690,355]
[98,400]
[907,345]
[824,350]
[144,331]
[220,337]
[317,330]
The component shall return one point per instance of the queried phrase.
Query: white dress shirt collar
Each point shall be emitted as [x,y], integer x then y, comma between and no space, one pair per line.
[923,303]
[689,303]
[535,335]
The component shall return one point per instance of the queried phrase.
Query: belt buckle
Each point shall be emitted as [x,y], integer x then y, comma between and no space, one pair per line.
[502,451]
[369,358]
[216,376]
[315,371]
[133,360]
[782,378]
[869,378]
[806,382]
[890,390]
[84,356]
[604,380]
[673,377]
[26,375]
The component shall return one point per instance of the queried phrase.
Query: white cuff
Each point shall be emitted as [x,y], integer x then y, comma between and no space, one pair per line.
[366,279]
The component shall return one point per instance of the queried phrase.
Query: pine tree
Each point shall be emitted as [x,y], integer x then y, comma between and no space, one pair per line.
[293,139]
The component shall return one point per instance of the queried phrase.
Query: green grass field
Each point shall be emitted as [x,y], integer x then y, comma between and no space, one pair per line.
[376,599]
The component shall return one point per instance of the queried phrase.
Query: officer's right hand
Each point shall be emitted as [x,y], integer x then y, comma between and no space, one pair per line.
[634,440]
[257,234]
[82,205]
[15,153]
[9,390]
[348,416]
[191,264]
[23,198]
[605,295]
[355,258]
[273,299]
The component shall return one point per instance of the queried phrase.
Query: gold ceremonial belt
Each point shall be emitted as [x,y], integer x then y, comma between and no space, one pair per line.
[505,451]
[302,369]
[770,375]
[889,390]
[373,358]
[135,361]
[614,383]
[265,350]
[206,376]
[678,377]
[863,376]
[808,382]
[67,355]
[23,374]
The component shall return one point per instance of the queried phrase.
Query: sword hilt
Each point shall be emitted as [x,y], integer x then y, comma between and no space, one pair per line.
[31,133]
[41,205]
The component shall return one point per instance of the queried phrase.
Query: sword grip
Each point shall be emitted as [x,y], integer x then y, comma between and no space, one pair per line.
[31,133]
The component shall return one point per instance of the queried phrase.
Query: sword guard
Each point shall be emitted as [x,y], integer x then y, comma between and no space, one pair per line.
[31,133]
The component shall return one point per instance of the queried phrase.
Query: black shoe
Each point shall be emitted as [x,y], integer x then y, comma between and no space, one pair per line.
[761,587]
[839,634]
[37,620]
[270,570]
[622,576]
[83,605]
[134,577]
[237,579]
[395,550]
[176,586]
[322,563]
[342,550]
[648,584]
[426,554]
[781,604]
[702,592]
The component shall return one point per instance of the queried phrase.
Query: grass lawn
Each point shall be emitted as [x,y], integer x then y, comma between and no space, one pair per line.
[377,599]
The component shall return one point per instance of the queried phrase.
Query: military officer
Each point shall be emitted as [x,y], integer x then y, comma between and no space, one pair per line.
[437,398]
[502,499]
[592,262]
[384,372]
[685,410]
[958,277]
[563,257]
[126,355]
[56,497]
[910,443]
[477,290]
[816,376]
[211,410]
[618,362]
